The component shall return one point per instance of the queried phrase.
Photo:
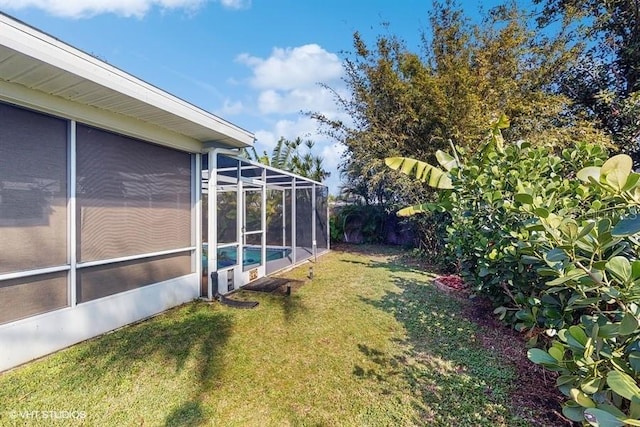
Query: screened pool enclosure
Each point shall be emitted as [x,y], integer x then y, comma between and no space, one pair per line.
[263,220]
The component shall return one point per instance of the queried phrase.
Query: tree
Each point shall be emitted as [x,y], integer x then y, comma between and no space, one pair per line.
[286,155]
[411,104]
[605,85]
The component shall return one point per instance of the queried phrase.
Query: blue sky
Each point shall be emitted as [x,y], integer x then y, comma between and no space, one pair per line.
[254,63]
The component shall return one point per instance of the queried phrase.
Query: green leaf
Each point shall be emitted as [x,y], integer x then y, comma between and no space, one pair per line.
[541,357]
[591,386]
[609,330]
[447,161]
[423,171]
[581,398]
[570,230]
[613,410]
[634,409]
[586,230]
[623,384]
[629,324]
[599,418]
[414,210]
[565,379]
[556,255]
[635,270]
[574,413]
[616,170]
[556,353]
[590,171]
[524,198]
[632,181]
[542,212]
[574,275]
[501,123]
[578,333]
[620,267]
[634,360]
[627,226]
[575,342]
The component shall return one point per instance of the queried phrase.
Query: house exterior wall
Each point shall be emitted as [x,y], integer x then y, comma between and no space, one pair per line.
[91,241]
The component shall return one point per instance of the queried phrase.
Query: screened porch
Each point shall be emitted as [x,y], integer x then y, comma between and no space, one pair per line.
[263,220]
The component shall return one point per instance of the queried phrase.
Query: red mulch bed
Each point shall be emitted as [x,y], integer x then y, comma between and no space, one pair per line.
[535,388]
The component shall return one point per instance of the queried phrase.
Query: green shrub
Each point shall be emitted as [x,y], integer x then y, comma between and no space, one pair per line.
[364,222]
[590,256]
[552,239]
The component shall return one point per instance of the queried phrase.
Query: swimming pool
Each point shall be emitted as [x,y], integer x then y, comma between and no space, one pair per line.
[251,255]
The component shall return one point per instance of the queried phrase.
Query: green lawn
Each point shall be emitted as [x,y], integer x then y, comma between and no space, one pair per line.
[366,342]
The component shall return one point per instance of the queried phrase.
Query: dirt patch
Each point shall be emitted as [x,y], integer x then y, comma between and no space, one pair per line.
[535,396]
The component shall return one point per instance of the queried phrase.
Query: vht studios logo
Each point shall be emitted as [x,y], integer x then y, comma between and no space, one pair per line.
[51,415]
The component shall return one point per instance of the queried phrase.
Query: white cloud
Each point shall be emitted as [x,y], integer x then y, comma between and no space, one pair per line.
[230,108]
[303,127]
[236,4]
[293,68]
[316,98]
[332,156]
[126,8]
[289,82]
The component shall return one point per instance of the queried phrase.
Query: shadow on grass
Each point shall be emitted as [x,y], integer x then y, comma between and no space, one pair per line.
[292,306]
[367,249]
[456,381]
[392,266]
[188,337]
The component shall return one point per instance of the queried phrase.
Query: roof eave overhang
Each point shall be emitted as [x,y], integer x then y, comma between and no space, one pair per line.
[44,63]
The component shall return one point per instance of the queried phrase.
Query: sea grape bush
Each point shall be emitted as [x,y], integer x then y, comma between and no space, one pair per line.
[491,236]
[591,257]
[552,239]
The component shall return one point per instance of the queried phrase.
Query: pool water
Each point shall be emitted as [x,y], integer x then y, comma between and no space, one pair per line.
[251,255]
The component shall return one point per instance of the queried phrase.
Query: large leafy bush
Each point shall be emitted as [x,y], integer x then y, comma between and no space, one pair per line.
[551,239]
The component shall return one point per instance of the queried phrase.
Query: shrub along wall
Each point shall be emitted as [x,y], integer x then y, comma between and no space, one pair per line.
[552,239]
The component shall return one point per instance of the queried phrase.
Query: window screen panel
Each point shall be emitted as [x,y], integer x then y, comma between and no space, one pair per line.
[33,190]
[227,214]
[322,223]
[132,197]
[275,228]
[101,281]
[304,223]
[288,219]
[28,296]
[304,217]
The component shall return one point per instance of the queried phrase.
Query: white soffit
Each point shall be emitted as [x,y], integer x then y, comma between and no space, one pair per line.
[38,61]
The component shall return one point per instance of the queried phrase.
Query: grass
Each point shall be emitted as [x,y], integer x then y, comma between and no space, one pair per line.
[366,342]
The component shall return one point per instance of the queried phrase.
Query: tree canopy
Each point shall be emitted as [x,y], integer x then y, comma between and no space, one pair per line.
[605,84]
[411,104]
[287,155]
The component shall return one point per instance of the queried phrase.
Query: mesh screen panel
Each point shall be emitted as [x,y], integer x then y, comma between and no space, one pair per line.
[28,296]
[275,225]
[304,223]
[100,281]
[322,198]
[33,190]
[227,216]
[133,197]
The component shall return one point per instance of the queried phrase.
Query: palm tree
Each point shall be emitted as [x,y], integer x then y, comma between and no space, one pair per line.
[287,156]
